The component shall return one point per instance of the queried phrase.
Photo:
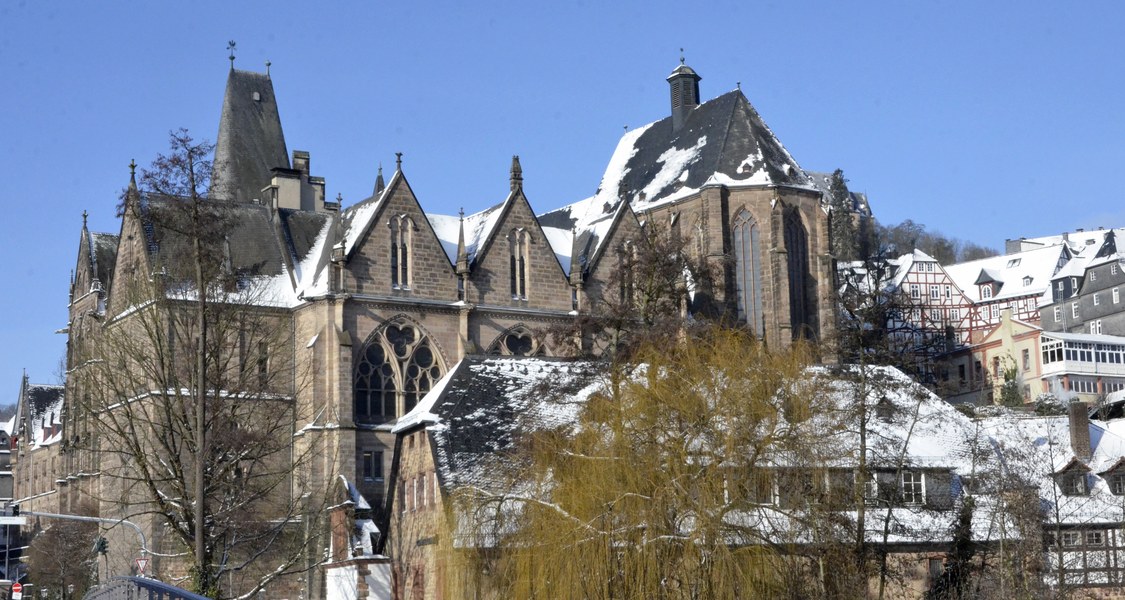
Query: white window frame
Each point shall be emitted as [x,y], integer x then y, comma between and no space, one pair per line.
[1116,296]
[915,494]
[1074,310]
[1058,314]
[915,290]
[1097,300]
[1095,538]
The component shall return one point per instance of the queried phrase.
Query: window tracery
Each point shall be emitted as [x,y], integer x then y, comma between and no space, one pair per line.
[797,245]
[517,341]
[748,270]
[396,368]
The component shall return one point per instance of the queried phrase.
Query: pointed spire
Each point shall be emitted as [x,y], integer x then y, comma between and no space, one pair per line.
[379,185]
[516,177]
[133,175]
[462,253]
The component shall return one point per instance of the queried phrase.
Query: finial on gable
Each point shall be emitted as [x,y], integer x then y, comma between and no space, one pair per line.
[230,47]
[132,175]
[83,219]
[516,177]
[462,267]
[268,63]
[398,161]
[379,185]
[681,56]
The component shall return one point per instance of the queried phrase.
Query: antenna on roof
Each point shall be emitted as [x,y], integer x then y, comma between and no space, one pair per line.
[231,46]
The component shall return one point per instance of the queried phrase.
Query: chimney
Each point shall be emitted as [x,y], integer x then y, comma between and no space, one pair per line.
[1080,430]
[684,83]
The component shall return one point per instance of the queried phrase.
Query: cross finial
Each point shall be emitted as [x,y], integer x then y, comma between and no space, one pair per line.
[461,213]
[132,167]
[738,84]
[681,56]
[268,63]
[83,219]
[339,198]
[398,160]
[231,45]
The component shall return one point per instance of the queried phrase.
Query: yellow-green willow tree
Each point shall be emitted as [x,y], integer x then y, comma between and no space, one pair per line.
[656,491]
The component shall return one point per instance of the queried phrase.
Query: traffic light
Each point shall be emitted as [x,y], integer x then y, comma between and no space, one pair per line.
[101,545]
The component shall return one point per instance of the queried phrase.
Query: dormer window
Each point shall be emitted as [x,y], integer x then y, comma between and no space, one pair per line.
[986,291]
[1117,483]
[1027,281]
[1073,483]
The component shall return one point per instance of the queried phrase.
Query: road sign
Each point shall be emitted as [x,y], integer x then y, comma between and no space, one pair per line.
[13,520]
[142,564]
[17,591]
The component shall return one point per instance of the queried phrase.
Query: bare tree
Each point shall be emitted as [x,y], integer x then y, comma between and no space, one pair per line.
[186,392]
[62,556]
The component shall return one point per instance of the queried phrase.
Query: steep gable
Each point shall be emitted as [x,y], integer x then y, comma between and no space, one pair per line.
[545,283]
[428,273]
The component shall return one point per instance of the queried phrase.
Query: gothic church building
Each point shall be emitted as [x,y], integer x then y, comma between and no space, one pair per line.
[384,298]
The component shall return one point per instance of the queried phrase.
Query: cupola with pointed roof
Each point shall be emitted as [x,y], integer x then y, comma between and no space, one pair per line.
[684,83]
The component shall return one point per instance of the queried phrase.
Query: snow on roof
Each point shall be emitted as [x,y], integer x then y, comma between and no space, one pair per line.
[43,416]
[589,219]
[1078,240]
[477,411]
[1021,274]
[478,228]
[356,219]
[1037,448]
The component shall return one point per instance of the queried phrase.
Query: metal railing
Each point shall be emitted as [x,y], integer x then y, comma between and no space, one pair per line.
[139,588]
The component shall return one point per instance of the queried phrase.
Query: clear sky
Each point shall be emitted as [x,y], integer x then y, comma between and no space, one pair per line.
[983,120]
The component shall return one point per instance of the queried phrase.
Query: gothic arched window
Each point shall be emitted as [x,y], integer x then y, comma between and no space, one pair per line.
[402,228]
[800,296]
[748,271]
[517,341]
[627,257]
[397,366]
[518,241]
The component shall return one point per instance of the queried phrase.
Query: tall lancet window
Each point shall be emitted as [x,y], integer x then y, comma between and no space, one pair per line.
[518,241]
[748,271]
[800,296]
[402,228]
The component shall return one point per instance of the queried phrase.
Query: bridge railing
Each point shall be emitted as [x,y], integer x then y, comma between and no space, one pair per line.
[139,588]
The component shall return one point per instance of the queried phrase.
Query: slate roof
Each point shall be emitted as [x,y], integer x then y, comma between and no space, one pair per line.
[250,141]
[40,411]
[723,140]
[478,411]
[103,255]
[247,231]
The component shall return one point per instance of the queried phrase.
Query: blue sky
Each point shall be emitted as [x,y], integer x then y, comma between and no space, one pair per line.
[984,121]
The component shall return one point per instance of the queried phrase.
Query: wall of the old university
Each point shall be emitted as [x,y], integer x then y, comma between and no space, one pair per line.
[490,282]
[430,274]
